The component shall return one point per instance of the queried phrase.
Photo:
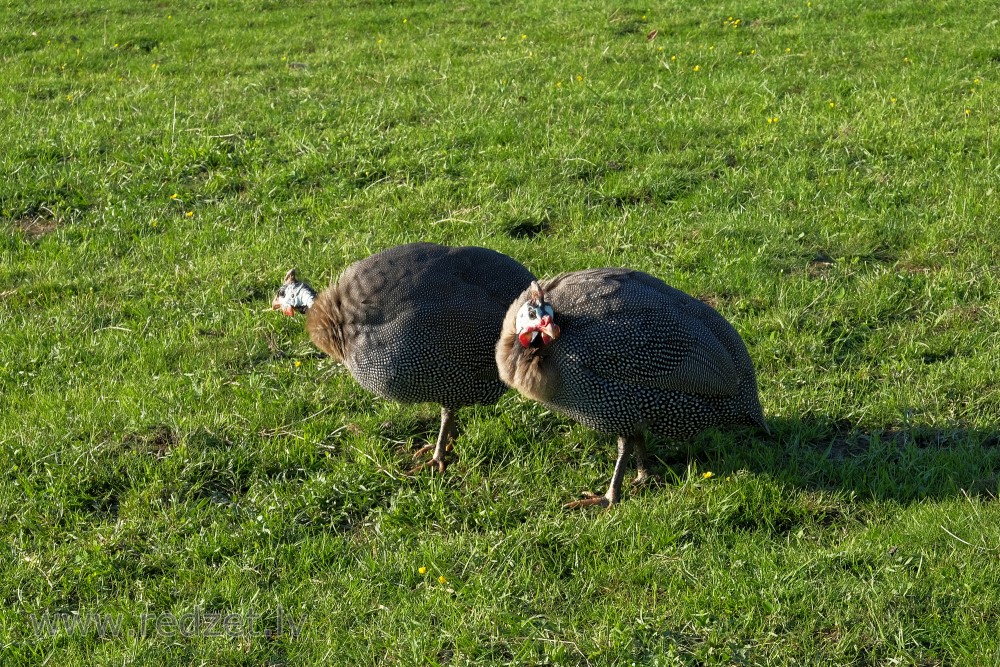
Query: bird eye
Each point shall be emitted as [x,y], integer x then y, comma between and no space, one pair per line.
[281,292]
[532,315]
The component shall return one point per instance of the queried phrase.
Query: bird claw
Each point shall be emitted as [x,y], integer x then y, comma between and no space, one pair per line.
[641,481]
[590,499]
[426,448]
[440,464]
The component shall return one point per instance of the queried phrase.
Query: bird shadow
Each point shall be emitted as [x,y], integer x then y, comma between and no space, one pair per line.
[898,463]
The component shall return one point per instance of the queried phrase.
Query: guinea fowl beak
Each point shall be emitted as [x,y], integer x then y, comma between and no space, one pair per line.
[548,329]
[288,311]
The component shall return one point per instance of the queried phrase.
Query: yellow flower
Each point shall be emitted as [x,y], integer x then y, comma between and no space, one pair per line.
[892,100]
[673,58]
[442,580]
[154,65]
[422,570]
[707,475]
[697,68]
[832,105]
[297,363]
[558,84]
[404,20]
[170,18]
[153,223]
[579,77]
[524,37]
[174,196]
[968,112]
[976,81]
[189,214]
[788,50]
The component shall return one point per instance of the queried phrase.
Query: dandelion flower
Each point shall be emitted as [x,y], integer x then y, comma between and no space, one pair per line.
[696,68]
[404,20]
[976,81]
[189,214]
[524,37]
[673,58]
[968,112]
[579,77]
[788,50]
[442,580]
[154,65]
[297,363]
[707,475]
[422,570]
[174,196]
[832,105]
[892,100]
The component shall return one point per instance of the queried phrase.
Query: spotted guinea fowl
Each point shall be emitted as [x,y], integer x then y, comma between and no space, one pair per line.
[620,351]
[416,323]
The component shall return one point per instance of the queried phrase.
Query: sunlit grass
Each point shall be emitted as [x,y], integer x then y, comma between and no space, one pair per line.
[823,173]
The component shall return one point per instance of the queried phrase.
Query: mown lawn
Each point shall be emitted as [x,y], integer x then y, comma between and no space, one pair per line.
[823,173]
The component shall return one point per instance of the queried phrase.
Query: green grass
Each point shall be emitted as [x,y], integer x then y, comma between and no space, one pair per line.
[170,444]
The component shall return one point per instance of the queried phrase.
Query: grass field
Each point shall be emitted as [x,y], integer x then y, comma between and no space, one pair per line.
[824,173]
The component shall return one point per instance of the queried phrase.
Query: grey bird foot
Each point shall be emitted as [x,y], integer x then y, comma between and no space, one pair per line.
[642,480]
[426,448]
[423,450]
[590,499]
[439,464]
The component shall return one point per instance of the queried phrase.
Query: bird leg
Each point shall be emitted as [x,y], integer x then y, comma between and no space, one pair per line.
[643,475]
[447,434]
[614,493]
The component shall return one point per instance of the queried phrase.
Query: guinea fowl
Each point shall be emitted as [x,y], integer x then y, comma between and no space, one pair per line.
[620,351]
[416,323]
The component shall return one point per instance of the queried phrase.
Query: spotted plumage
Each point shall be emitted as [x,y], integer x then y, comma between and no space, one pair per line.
[416,323]
[630,353]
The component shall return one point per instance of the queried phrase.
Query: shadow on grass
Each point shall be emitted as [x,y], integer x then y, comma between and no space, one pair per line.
[902,464]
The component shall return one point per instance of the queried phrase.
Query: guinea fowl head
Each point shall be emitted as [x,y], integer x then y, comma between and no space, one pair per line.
[294,296]
[534,322]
